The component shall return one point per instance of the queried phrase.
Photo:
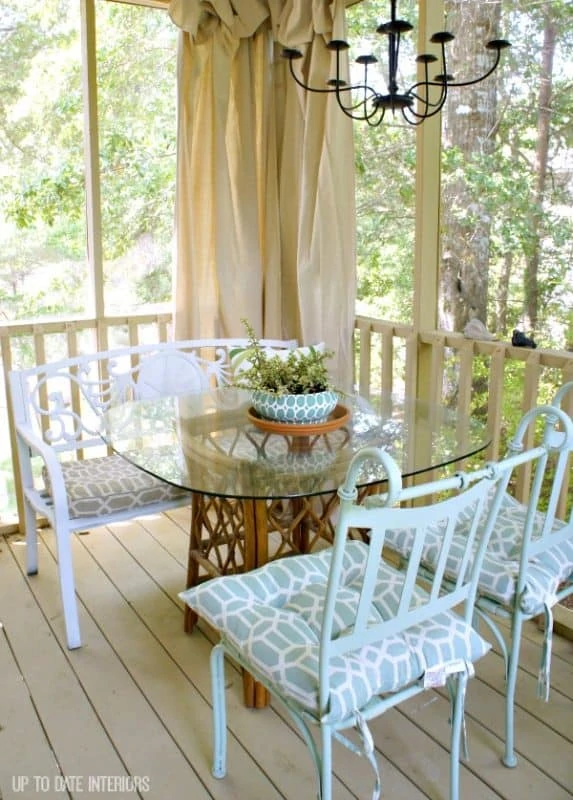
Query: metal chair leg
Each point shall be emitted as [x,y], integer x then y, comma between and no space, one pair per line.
[219,768]
[509,758]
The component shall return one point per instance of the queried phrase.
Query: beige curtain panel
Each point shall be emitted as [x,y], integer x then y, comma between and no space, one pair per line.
[265,215]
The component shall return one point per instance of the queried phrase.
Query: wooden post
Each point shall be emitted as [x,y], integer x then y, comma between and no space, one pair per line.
[91,161]
[427,246]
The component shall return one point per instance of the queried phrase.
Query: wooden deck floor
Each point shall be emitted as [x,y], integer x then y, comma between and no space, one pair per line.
[128,714]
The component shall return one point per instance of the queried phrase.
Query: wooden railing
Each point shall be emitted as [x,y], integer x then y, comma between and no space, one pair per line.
[491,380]
[488,379]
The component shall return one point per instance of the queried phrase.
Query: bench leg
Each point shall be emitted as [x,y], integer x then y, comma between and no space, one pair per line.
[31,539]
[68,589]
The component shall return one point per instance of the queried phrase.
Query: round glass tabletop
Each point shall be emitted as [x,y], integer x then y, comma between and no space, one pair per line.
[210,444]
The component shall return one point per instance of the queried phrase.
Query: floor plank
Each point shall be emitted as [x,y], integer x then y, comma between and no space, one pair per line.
[24,745]
[134,701]
[71,724]
[124,711]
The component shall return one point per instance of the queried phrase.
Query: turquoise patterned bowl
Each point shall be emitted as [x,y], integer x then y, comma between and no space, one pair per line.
[296,408]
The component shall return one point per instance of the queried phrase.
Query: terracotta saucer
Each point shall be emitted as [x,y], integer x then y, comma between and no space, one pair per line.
[336,419]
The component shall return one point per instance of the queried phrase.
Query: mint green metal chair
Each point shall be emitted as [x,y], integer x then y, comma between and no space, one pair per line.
[340,636]
[528,566]
[561,393]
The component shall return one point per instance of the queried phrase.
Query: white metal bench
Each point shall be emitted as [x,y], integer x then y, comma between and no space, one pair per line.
[65,470]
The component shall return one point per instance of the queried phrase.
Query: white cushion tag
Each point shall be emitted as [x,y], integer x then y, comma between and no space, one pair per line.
[437,675]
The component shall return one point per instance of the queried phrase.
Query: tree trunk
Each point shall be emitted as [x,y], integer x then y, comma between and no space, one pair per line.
[541,158]
[500,322]
[469,125]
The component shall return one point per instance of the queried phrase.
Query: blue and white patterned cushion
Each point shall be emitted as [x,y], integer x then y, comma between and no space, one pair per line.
[110,484]
[272,616]
[500,569]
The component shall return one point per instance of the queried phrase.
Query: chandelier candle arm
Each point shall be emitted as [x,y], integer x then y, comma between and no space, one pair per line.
[496,44]
[424,99]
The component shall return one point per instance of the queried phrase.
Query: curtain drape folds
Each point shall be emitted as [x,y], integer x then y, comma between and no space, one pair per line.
[265,215]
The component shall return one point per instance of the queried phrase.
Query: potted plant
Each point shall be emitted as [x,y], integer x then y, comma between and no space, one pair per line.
[287,386]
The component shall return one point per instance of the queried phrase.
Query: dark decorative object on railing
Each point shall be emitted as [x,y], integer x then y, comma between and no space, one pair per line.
[519,339]
[423,99]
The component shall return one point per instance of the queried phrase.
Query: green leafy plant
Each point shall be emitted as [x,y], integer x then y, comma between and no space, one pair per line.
[296,373]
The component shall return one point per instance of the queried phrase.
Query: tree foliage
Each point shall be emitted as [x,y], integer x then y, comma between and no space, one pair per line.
[385,161]
[43,264]
[43,200]
[492,182]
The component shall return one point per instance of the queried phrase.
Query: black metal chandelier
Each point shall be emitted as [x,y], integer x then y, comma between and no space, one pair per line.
[422,100]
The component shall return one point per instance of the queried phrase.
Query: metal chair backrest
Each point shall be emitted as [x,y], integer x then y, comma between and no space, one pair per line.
[462,510]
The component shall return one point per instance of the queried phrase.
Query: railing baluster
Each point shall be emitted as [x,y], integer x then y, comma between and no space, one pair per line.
[530,399]
[365,345]
[387,366]
[464,397]
[494,401]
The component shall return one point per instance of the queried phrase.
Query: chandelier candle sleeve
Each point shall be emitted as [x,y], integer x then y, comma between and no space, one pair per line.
[422,100]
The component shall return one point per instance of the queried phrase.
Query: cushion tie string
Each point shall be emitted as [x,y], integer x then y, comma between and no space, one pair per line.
[470,672]
[462,685]
[543,679]
[368,750]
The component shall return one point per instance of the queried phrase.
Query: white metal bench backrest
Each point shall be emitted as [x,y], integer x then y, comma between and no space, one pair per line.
[64,401]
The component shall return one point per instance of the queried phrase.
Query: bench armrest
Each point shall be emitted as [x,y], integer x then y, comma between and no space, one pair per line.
[30,444]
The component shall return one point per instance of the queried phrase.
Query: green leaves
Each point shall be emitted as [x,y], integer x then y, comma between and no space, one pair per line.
[299,371]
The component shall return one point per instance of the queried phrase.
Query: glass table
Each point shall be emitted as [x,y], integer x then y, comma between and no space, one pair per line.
[257,495]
